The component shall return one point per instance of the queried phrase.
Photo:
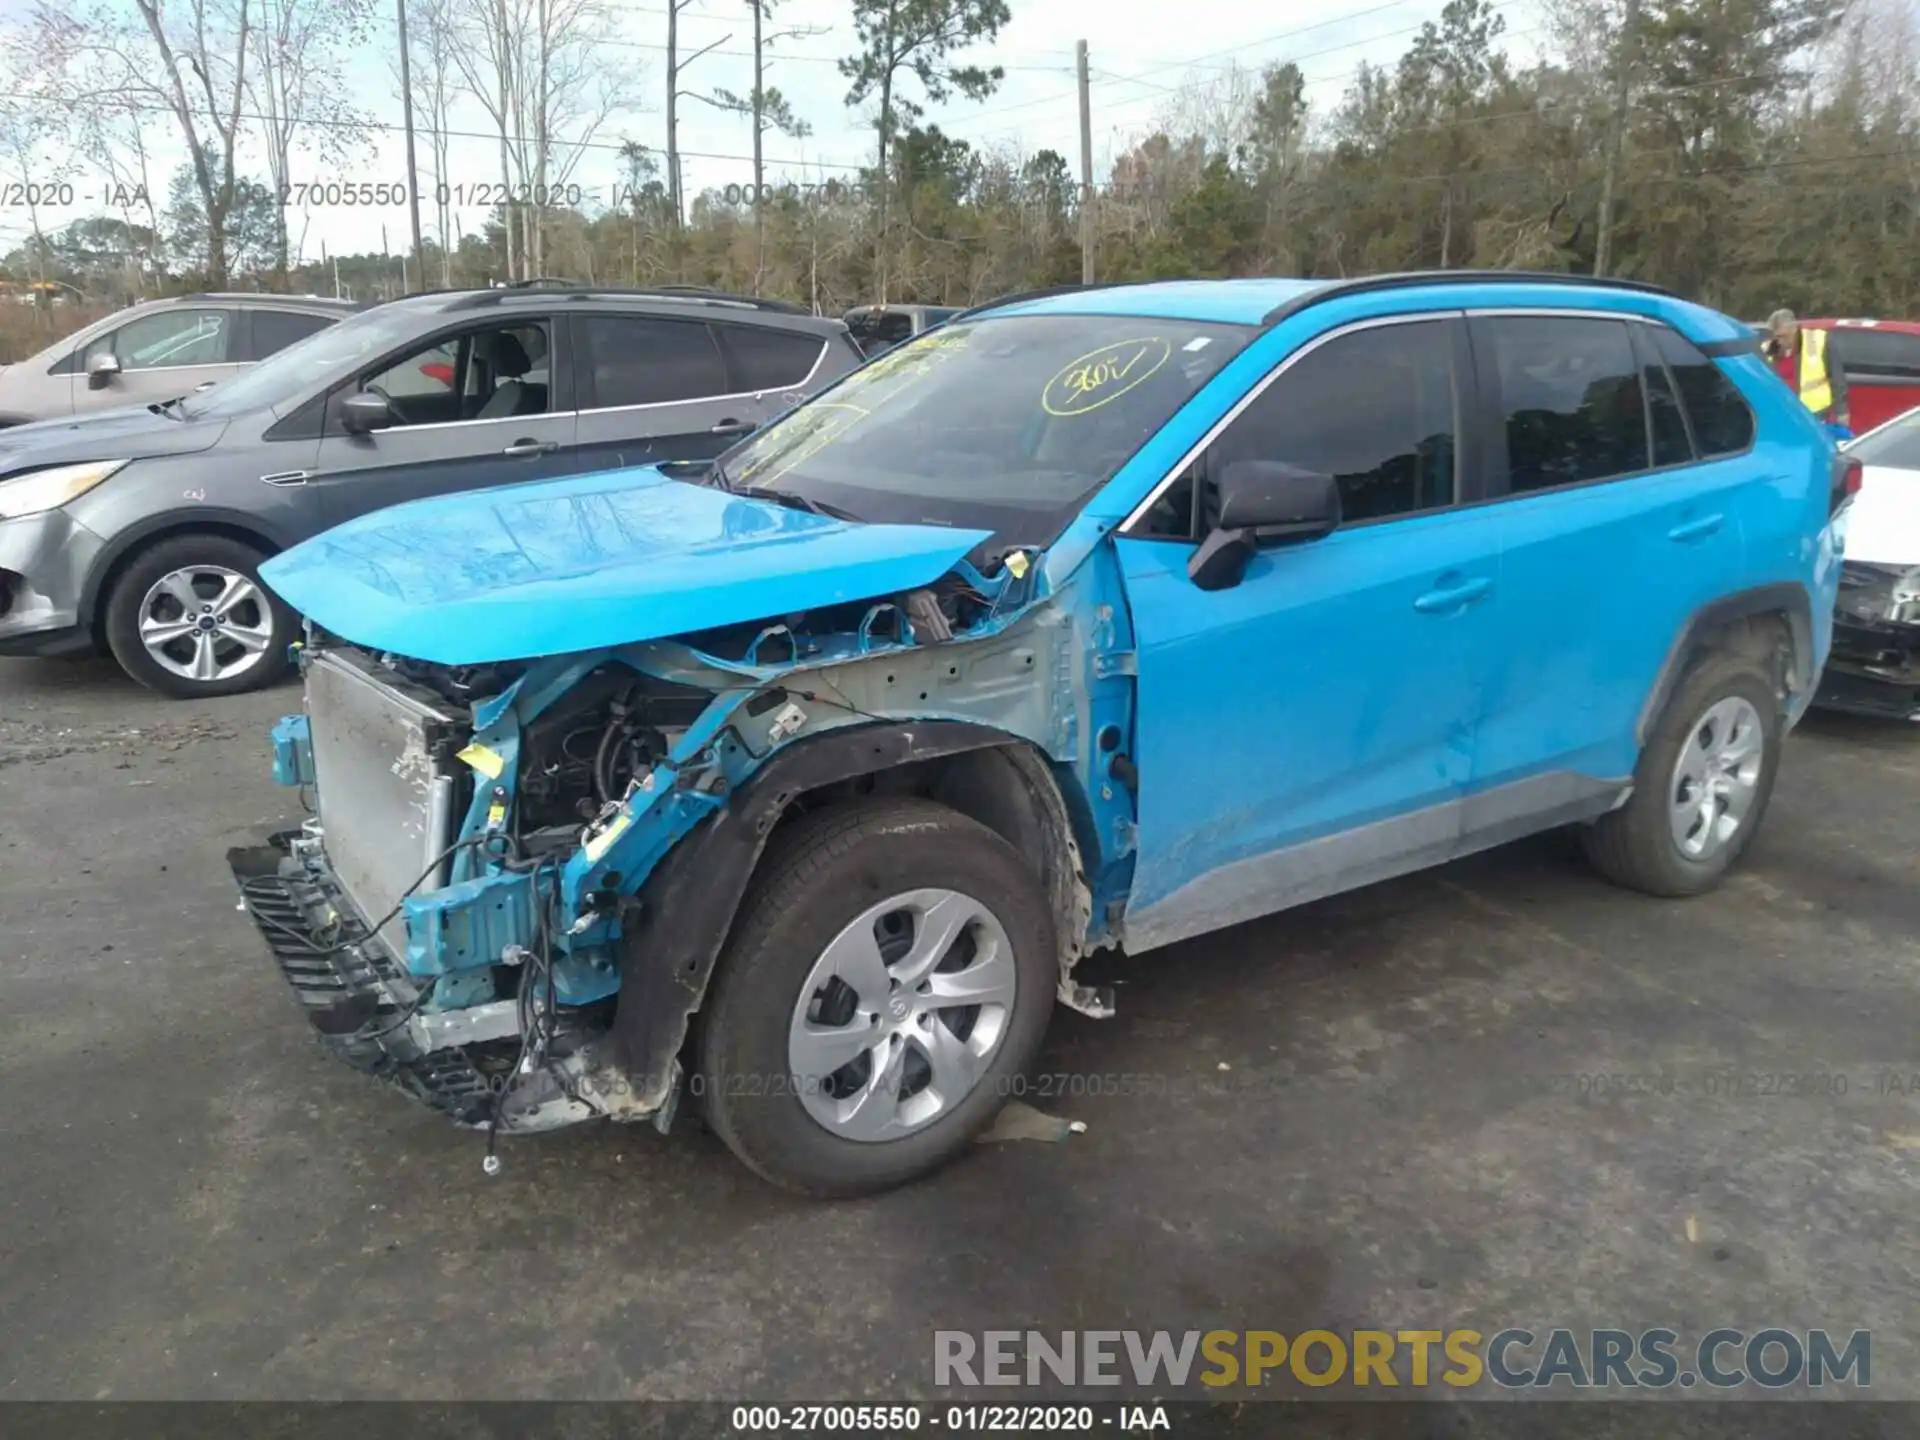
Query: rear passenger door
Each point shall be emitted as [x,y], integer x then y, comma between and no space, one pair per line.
[658,388]
[1620,519]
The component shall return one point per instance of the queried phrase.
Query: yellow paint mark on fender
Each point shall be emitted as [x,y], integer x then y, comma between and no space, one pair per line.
[1102,376]
[487,762]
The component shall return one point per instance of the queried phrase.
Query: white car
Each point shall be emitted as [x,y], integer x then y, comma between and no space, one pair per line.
[1874,667]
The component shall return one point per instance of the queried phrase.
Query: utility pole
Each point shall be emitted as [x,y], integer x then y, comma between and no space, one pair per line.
[413,170]
[1629,52]
[1086,165]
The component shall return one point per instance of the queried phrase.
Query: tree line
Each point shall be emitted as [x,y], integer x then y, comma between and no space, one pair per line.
[1749,153]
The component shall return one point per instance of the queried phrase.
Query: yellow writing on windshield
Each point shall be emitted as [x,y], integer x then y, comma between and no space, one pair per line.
[803,434]
[1103,375]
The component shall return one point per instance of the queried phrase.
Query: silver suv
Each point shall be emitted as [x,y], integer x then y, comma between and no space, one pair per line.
[141,530]
[158,350]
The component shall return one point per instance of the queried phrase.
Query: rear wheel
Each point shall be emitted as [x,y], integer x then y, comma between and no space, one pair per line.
[1703,783]
[190,618]
[891,973]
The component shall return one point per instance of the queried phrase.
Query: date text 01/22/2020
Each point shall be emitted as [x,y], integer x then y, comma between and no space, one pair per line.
[955,1419]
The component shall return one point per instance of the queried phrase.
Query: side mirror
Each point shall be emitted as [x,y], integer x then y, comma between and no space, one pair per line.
[101,370]
[365,412]
[1262,502]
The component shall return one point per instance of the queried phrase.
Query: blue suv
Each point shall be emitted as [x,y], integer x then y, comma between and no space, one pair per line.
[797,785]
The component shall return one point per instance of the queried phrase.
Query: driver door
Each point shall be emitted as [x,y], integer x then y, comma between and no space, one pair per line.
[483,406]
[1311,727]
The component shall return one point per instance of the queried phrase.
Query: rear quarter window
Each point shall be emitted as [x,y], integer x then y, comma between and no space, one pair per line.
[767,359]
[1722,422]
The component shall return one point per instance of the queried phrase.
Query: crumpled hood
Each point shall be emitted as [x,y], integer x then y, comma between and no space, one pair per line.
[589,562]
[131,432]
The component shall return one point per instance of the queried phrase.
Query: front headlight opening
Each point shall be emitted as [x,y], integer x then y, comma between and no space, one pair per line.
[1880,593]
[38,491]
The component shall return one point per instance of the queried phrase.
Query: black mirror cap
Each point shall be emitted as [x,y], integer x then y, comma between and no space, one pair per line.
[1278,500]
[1220,560]
[362,413]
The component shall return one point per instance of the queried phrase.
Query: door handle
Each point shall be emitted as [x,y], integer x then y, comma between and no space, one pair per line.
[732,427]
[532,447]
[1697,529]
[1452,597]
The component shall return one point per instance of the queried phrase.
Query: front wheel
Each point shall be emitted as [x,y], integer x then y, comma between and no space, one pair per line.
[891,973]
[1704,780]
[190,618]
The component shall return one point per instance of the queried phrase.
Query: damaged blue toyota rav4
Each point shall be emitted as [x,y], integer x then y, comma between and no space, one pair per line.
[795,787]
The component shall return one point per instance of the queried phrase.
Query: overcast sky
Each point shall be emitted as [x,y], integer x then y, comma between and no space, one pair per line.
[1140,51]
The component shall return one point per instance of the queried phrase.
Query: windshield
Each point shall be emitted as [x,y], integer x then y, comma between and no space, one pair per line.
[290,374]
[1005,424]
[1896,446]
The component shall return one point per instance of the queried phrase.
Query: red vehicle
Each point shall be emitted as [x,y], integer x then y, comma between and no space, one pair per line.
[1881,360]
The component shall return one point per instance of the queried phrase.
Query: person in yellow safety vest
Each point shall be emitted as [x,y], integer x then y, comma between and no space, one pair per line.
[1801,358]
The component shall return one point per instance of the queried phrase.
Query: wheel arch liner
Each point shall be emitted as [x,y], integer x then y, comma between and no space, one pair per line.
[1787,599]
[688,904]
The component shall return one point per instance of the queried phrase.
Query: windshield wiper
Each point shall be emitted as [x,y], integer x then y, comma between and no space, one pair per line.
[795,501]
[170,407]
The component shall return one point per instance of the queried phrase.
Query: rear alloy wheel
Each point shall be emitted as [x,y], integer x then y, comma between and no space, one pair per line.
[190,618]
[892,971]
[1702,785]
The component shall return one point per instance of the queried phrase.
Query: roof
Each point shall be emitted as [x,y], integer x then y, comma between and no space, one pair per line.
[1266,302]
[1233,302]
[1899,327]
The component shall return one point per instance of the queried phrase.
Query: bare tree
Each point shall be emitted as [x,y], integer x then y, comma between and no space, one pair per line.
[297,86]
[768,110]
[544,76]
[35,166]
[676,66]
[183,58]
[436,85]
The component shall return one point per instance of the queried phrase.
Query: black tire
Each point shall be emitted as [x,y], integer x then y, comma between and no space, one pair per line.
[1634,845]
[815,879]
[180,552]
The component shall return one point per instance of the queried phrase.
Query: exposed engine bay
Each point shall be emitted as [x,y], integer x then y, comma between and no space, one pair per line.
[535,797]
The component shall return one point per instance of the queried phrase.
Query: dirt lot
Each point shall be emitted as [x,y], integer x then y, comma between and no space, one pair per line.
[1356,1114]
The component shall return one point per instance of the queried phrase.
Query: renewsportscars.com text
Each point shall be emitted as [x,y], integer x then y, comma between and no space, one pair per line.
[1771,1358]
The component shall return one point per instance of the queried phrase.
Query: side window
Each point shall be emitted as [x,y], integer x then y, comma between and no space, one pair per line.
[1883,354]
[1570,399]
[1375,409]
[274,330]
[172,337]
[489,374]
[637,360]
[1722,423]
[1671,443]
[767,359]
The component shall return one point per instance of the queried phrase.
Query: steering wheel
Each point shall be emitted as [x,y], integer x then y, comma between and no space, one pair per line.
[393,406]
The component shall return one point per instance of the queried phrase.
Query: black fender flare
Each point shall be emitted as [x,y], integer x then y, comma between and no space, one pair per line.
[1785,598]
[686,910]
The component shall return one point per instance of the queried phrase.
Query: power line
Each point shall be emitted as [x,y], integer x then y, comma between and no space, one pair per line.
[1195,63]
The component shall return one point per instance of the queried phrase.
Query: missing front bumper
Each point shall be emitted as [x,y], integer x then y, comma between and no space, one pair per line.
[361,1006]
[1872,669]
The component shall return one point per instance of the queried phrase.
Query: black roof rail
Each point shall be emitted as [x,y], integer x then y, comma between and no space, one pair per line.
[479,300]
[1400,279]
